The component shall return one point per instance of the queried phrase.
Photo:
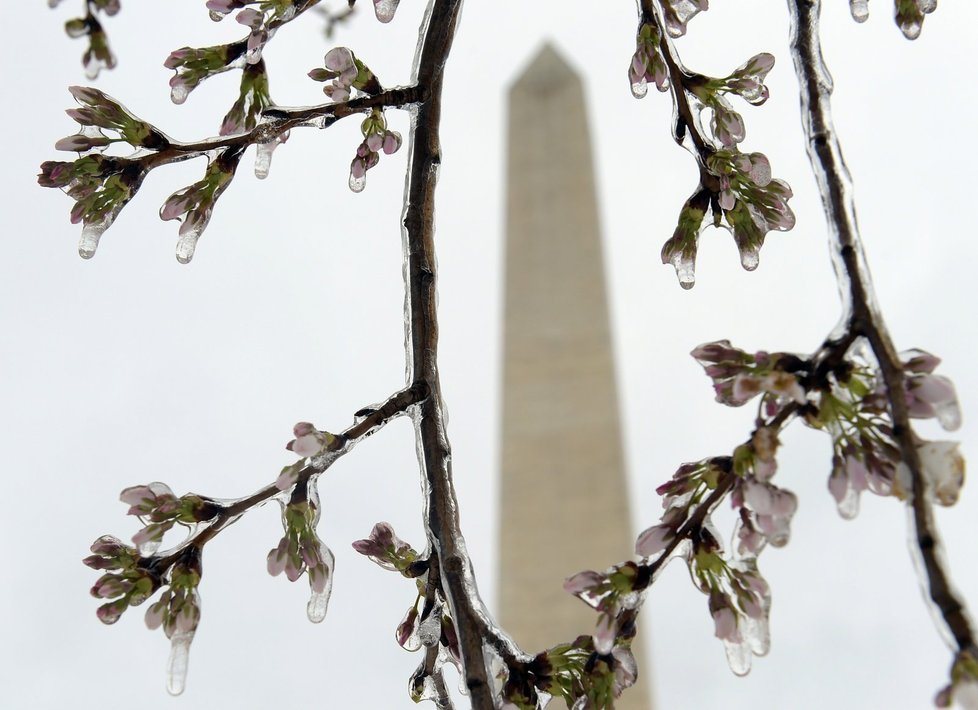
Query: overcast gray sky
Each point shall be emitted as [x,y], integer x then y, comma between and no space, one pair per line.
[132,368]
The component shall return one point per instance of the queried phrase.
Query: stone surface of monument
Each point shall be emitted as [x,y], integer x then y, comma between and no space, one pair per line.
[564,499]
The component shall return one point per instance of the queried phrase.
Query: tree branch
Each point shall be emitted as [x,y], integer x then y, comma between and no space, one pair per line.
[421,325]
[861,316]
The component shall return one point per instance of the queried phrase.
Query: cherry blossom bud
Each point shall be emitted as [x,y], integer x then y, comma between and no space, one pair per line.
[653,540]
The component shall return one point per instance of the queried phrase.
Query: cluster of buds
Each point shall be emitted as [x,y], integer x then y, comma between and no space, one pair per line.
[157,506]
[99,55]
[191,65]
[576,672]
[376,138]
[300,550]
[389,551]
[765,509]
[128,583]
[253,99]
[739,376]
[747,82]
[194,204]
[99,112]
[608,593]
[739,599]
[345,72]
[100,185]
[308,441]
[178,608]
[647,63]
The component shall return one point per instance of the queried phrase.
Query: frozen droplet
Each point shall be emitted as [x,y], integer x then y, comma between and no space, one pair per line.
[358,183]
[385,9]
[640,88]
[749,258]
[176,666]
[849,505]
[684,270]
[88,242]
[859,10]
[215,16]
[911,29]
[187,245]
[263,158]
[179,92]
[757,634]
[927,6]
[738,656]
[949,415]
[316,608]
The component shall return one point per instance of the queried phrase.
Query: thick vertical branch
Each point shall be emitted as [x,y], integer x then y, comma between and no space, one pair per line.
[441,505]
[861,317]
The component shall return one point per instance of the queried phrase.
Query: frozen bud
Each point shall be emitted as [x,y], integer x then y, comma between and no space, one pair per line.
[724,619]
[918,361]
[583,582]
[745,387]
[250,18]
[392,141]
[375,142]
[653,540]
[339,59]
[308,440]
[278,557]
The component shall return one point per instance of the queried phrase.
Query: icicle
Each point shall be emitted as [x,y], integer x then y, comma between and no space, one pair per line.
[859,10]
[738,656]
[179,92]
[385,9]
[176,667]
[684,270]
[89,240]
[640,88]
[749,258]
[319,600]
[187,245]
[358,183]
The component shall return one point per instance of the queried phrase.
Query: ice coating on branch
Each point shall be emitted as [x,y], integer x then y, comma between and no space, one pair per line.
[176,665]
[385,9]
[859,10]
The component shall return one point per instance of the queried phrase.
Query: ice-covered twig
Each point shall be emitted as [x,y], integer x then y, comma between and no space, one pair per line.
[369,421]
[421,324]
[861,316]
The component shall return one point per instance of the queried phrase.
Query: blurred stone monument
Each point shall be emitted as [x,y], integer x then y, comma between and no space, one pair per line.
[564,502]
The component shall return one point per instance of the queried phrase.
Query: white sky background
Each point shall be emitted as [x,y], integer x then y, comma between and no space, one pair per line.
[132,368]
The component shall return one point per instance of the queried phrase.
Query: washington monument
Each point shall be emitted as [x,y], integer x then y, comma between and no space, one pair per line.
[564,501]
